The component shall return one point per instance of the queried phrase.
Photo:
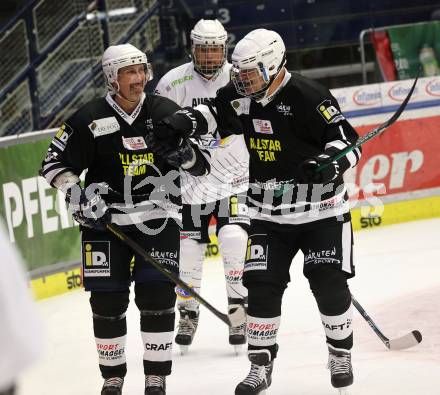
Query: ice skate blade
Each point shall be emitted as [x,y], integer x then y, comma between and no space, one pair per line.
[184,350]
[238,348]
[343,391]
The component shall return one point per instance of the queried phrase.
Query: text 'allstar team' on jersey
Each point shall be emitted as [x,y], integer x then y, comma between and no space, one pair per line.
[110,143]
[301,121]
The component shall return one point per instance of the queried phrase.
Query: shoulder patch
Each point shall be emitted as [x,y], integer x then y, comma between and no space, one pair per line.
[103,126]
[241,105]
[61,136]
[329,112]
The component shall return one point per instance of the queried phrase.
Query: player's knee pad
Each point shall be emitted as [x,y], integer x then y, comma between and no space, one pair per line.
[264,299]
[154,295]
[232,241]
[109,304]
[155,301]
[330,289]
[192,254]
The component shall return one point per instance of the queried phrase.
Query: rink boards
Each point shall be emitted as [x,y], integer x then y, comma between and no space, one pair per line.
[393,213]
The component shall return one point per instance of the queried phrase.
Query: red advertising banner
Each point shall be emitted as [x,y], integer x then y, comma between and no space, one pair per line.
[404,159]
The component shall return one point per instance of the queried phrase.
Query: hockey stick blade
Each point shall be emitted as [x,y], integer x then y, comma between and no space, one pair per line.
[407,341]
[235,318]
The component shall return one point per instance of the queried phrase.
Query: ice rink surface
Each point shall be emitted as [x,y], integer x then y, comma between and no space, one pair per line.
[397,282]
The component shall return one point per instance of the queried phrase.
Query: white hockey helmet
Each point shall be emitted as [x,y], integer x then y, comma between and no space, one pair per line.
[116,57]
[257,59]
[208,37]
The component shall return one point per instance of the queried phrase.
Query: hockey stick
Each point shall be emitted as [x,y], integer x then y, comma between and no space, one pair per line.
[235,318]
[406,341]
[361,140]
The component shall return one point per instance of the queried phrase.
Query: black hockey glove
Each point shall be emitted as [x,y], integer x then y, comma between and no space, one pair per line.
[308,174]
[182,123]
[88,207]
[184,156]
[176,150]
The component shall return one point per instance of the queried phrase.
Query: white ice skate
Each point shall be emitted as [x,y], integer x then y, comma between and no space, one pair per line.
[187,328]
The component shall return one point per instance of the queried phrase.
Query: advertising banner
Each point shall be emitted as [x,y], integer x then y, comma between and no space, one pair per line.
[402,160]
[416,46]
[33,213]
[383,98]
[397,178]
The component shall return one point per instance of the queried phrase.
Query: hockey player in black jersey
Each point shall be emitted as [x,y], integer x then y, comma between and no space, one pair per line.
[291,125]
[132,181]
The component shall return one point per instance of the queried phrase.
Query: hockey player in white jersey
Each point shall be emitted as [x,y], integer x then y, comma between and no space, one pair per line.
[21,327]
[221,193]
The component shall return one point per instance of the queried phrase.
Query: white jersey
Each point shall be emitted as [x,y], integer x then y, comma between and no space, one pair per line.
[229,157]
[21,328]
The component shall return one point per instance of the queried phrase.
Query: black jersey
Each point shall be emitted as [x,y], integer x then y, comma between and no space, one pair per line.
[110,144]
[302,121]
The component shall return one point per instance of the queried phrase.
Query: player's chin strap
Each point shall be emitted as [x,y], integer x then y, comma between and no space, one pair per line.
[128,100]
[268,98]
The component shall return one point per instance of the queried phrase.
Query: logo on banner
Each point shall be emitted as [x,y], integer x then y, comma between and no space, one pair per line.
[262,126]
[96,258]
[397,92]
[363,97]
[134,143]
[433,88]
[256,253]
[329,112]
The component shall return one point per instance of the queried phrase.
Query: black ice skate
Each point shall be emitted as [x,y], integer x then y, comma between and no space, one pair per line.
[155,385]
[259,378]
[187,328]
[112,386]
[339,363]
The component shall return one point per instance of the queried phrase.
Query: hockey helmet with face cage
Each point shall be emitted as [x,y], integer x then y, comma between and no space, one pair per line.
[208,47]
[116,57]
[257,59]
